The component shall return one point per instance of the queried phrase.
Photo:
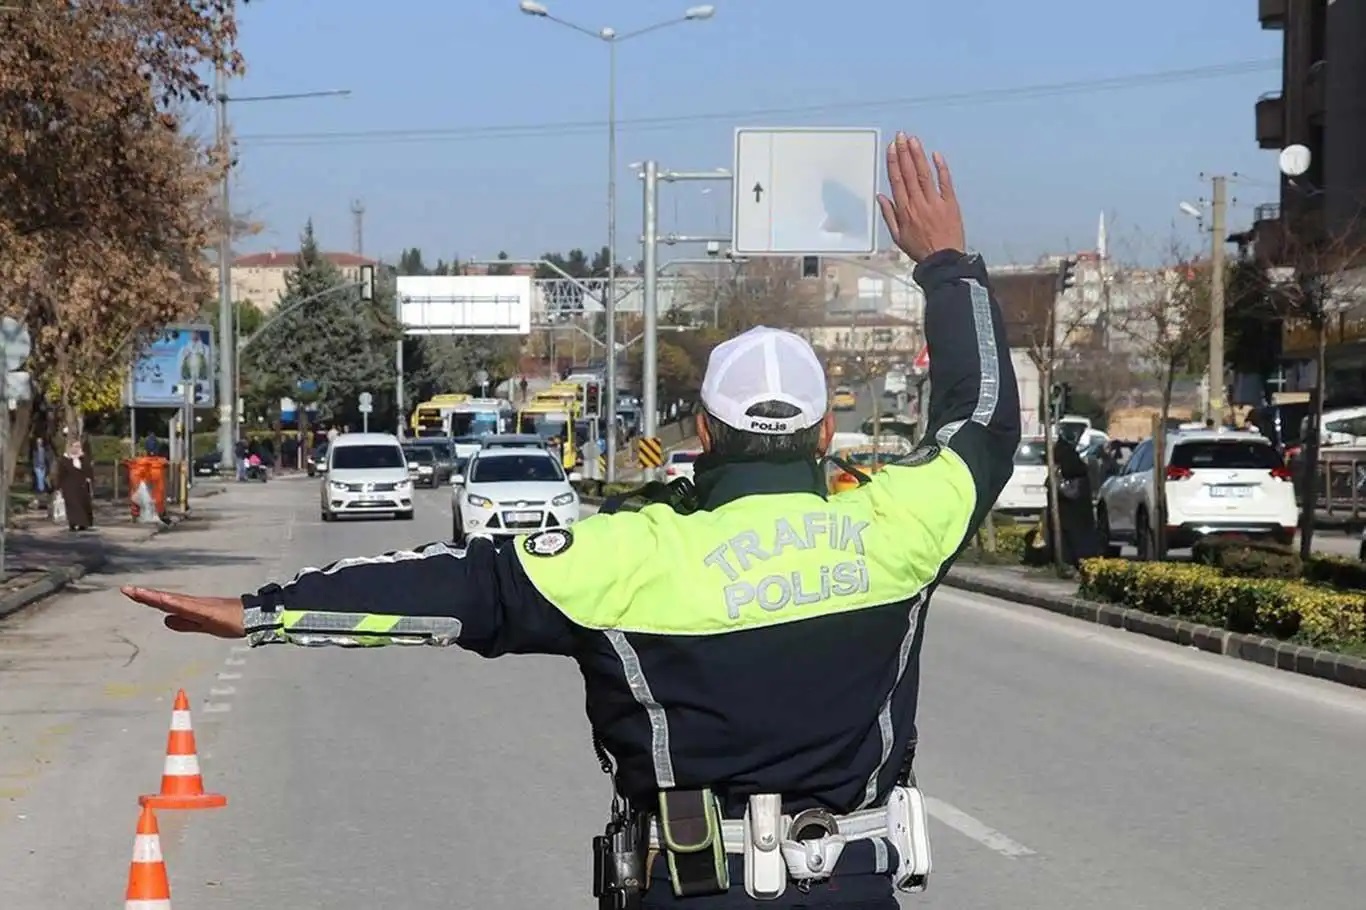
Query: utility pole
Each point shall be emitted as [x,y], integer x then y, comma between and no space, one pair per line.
[227,332]
[649,371]
[358,226]
[1216,300]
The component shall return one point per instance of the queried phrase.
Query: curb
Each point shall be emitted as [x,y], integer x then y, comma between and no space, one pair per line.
[1269,652]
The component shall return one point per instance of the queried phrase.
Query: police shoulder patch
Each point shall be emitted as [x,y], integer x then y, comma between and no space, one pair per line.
[922,454]
[551,542]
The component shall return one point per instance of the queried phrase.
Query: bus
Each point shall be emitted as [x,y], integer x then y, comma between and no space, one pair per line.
[429,418]
[470,421]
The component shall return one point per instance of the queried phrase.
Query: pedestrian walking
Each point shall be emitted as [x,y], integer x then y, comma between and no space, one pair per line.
[75,481]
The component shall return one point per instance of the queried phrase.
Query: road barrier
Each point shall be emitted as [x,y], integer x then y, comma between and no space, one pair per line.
[649,452]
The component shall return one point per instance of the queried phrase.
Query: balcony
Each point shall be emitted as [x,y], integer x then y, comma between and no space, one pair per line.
[1271,121]
[1316,95]
[1268,235]
[1272,13]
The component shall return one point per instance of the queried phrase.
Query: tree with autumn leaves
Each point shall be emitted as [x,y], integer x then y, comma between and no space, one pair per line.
[107,202]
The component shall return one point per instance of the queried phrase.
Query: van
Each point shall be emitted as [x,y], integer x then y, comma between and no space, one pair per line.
[367,474]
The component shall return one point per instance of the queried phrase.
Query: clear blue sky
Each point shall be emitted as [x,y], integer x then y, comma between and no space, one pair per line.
[1034,171]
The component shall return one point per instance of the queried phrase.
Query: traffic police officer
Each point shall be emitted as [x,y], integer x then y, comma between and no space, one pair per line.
[751,655]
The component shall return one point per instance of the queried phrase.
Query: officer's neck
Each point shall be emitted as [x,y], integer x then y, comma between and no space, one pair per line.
[720,481]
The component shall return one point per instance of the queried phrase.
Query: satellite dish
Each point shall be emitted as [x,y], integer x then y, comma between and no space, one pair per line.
[1294,160]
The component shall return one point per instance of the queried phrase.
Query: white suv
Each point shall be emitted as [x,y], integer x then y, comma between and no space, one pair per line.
[505,492]
[1218,482]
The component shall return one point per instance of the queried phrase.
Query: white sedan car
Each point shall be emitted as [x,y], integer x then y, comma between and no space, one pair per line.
[505,492]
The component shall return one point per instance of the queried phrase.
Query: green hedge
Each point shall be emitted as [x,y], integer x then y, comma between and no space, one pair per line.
[1256,559]
[108,449]
[1275,607]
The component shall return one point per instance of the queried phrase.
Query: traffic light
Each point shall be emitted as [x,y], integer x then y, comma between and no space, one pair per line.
[1067,274]
[592,400]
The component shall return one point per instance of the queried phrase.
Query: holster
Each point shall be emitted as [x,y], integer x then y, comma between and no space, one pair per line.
[619,866]
[690,832]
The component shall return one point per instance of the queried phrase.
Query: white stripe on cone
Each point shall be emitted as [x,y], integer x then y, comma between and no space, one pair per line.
[147,849]
[181,766]
[180,720]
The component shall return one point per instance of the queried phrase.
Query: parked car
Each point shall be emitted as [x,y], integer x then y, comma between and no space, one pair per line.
[1026,491]
[1217,483]
[843,399]
[366,475]
[208,465]
[444,450]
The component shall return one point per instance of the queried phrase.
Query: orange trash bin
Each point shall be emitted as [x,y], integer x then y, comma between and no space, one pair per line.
[149,470]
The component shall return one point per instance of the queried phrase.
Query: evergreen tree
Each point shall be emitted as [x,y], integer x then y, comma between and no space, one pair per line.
[324,333]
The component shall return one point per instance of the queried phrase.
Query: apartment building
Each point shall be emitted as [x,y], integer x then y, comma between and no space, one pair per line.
[260,277]
[1320,104]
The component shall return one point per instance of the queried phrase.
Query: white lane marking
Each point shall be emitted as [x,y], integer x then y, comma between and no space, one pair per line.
[289,525]
[217,707]
[240,649]
[223,691]
[1243,673]
[229,676]
[979,831]
[235,662]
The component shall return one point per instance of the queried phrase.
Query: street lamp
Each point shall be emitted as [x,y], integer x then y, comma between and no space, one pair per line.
[612,38]
[227,323]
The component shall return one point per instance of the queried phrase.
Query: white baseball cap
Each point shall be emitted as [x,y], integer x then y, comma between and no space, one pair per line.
[759,366]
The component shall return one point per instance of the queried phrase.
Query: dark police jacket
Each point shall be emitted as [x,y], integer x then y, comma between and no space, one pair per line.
[769,641]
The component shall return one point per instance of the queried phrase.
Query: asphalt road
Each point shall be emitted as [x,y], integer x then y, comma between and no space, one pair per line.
[1070,767]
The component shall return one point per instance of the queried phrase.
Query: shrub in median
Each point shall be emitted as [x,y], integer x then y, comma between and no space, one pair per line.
[1248,559]
[1201,593]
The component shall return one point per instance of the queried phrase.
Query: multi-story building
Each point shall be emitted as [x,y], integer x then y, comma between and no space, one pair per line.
[1321,105]
[259,278]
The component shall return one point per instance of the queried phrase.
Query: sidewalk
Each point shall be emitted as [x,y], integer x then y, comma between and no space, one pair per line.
[42,557]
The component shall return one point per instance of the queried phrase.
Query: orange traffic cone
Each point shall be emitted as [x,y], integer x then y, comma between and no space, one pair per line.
[148,888]
[182,786]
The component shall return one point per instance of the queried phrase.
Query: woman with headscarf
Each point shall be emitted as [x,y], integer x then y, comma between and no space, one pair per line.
[76,481]
[1076,512]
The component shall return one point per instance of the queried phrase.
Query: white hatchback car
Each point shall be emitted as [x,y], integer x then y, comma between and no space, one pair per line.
[505,492]
[366,475]
[1217,482]
[1026,492]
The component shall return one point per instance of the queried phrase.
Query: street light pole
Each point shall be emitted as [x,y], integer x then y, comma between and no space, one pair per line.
[612,39]
[227,334]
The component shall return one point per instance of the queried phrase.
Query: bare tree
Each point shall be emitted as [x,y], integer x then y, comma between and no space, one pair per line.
[1046,323]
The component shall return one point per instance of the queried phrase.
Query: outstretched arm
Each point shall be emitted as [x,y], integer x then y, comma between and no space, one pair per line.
[478,598]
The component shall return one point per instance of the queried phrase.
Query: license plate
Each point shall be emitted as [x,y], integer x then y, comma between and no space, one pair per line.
[524,516]
[1230,492]
[371,497]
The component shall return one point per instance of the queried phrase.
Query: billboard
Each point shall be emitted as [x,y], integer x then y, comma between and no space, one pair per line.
[465,304]
[175,356]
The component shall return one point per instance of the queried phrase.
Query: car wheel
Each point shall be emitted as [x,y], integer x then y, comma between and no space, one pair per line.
[325,515]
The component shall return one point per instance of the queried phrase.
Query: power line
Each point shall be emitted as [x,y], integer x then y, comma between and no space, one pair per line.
[643,124]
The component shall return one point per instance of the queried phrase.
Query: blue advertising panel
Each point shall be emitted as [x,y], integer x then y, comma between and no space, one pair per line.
[176,356]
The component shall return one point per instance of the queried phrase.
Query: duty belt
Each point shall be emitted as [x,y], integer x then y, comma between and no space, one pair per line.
[690,832]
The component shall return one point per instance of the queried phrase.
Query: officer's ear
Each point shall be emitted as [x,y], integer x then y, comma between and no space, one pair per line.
[827,433]
[702,433]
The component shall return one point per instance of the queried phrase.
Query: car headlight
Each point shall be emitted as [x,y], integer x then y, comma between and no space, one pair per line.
[403,484]
[478,502]
[338,486]
[563,499]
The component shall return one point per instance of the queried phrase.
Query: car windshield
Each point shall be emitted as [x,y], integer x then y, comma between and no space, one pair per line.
[844,390]
[516,469]
[474,423]
[1226,454]
[1031,453]
[362,457]
[320,453]
[419,454]
[440,451]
